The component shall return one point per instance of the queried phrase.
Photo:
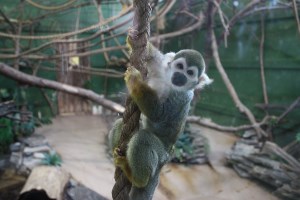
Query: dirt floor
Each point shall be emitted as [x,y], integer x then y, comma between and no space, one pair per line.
[81,141]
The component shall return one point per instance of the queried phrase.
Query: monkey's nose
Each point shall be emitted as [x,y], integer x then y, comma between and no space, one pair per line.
[179,79]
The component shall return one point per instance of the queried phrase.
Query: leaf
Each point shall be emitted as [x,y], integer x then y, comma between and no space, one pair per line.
[52,159]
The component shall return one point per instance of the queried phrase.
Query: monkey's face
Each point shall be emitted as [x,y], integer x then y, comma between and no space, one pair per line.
[183,76]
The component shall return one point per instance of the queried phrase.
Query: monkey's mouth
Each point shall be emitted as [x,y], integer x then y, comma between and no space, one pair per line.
[179,79]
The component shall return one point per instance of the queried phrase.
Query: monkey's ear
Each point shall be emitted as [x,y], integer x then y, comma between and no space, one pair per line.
[203,81]
[168,57]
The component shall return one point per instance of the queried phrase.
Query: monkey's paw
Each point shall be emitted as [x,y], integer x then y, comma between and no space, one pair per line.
[119,160]
[132,75]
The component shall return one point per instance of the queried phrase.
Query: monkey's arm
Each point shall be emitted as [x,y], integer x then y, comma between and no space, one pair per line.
[144,96]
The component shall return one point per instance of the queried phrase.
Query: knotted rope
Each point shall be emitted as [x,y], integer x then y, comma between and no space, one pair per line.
[138,37]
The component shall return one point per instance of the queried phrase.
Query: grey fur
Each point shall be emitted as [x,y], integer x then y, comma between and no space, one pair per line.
[164,118]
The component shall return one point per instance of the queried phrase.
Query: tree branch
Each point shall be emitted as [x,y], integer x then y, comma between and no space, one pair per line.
[181,31]
[289,109]
[261,60]
[69,34]
[242,108]
[44,83]
[239,15]
[212,125]
[296,14]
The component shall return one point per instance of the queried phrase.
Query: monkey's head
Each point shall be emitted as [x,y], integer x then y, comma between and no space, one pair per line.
[188,70]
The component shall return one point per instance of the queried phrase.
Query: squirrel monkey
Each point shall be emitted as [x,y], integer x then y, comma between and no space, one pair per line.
[164,100]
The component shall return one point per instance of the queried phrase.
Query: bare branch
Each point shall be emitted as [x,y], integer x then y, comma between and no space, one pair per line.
[273,148]
[261,61]
[93,52]
[40,6]
[63,35]
[212,125]
[84,70]
[289,109]
[225,26]
[7,20]
[17,46]
[101,19]
[240,14]
[47,57]
[182,31]
[296,14]
[242,108]
[44,83]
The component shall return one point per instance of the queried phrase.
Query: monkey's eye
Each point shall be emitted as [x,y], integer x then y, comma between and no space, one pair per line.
[190,72]
[179,66]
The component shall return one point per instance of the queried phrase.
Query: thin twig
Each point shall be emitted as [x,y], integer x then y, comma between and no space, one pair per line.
[209,124]
[52,107]
[47,7]
[7,20]
[68,34]
[189,14]
[261,60]
[289,109]
[101,19]
[296,14]
[85,70]
[17,47]
[239,15]
[198,24]
[225,26]
[47,57]
[92,52]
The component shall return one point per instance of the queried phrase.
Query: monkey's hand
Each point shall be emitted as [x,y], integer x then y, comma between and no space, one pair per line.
[121,161]
[132,77]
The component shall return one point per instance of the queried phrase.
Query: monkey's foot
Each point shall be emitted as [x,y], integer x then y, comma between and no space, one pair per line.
[119,160]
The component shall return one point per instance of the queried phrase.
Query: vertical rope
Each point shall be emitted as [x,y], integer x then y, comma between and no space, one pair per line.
[138,36]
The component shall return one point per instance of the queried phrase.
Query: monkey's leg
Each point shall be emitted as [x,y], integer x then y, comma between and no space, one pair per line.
[115,134]
[146,155]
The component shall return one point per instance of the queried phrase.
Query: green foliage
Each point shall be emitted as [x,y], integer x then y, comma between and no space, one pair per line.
[183,145]
[23,127]
[46,120]
[6,134]
[52,159]
[273,121]
[4,94]
[189,146]
[298,137]
[27,128]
